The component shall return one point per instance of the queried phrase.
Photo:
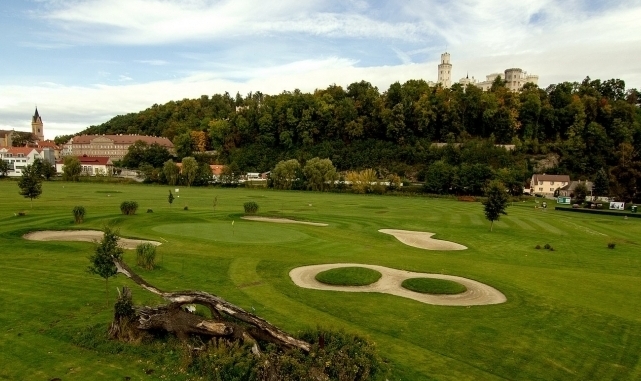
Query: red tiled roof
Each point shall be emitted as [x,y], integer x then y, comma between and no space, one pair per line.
[92,160]
[23,150]
[47,144]
[217,169]
[124,139]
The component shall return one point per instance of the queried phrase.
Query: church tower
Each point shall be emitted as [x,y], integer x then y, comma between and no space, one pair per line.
[445,71]
[36,126]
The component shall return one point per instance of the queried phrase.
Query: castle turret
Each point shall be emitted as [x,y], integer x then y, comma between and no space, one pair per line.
[445,71]
[37,127]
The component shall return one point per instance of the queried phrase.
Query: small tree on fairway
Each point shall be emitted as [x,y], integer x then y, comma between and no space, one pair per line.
[496,202]
[4,168]
[170,198]
[71,168]
[30,183]
[102,261]
[79,214]
[215,203]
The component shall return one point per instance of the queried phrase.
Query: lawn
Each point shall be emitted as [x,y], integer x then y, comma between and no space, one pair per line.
[571,314]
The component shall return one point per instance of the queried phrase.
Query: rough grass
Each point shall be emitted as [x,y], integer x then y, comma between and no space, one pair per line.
[433,286]
[349,276]
[573,315]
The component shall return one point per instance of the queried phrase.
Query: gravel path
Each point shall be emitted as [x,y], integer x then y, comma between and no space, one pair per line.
[422,240]
[390,283]
[82,235]
[281,220]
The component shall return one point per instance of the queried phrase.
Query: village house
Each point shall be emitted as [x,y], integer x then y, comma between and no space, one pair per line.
[91,165]
[20,157]
[545,185]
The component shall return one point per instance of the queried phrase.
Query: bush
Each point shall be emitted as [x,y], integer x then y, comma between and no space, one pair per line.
[251,207]
[146,255]
[186,207]
[538,247]
[128,207]
[547,246]
[150,211]
[79,214]
[611,245]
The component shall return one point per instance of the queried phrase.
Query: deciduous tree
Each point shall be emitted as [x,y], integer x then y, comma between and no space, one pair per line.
[189,169]
[320,174]
[102,261]
[30,183]
[71,168]
[496,202]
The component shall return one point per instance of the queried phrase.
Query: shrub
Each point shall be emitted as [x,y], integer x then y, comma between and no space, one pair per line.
[128,207]
[547,246]
[611,245]
[251,207]
[186,207]
[551,248]
[79,214]
[146,255]
[150,211]
[538,247]
[22,213]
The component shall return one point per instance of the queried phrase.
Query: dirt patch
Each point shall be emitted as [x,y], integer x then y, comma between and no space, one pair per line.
[281,220]
[477,293]
[82,236]
[422,240]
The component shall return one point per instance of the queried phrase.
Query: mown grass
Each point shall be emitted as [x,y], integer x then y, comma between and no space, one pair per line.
[571,314]
[433,286]
[349,276]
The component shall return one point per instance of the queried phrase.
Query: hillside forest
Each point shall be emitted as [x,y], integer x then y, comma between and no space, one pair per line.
[586,130]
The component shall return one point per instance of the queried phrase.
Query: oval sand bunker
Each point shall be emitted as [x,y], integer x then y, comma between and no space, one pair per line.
[477,293]
[82,236]
[281,220]
[422,240]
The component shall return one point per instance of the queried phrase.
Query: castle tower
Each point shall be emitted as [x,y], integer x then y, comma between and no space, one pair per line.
[37,128]
[445,71]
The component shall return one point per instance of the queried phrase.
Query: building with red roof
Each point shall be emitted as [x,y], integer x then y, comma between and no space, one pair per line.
[112,146]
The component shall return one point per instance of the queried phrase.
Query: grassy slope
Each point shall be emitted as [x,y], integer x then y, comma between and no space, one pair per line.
[572,314]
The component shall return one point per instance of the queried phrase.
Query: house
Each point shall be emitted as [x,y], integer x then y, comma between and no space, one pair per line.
[91,165]
[41,144]
[20,157]
[546,185]
[568,190]
[6,138]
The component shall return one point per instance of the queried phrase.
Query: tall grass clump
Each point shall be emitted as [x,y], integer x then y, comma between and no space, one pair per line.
[79,214]
[129,207]
[251,207]
[146,255]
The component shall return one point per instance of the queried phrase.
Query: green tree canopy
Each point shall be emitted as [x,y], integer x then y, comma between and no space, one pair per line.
[496,202]
[102,261]
[285,173]
[71,168]
[30,183]
[189,170]
[320,174]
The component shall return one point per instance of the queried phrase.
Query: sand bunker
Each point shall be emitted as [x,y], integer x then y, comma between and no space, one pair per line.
[422,240]
[82,235]
[281,220]
[477,293]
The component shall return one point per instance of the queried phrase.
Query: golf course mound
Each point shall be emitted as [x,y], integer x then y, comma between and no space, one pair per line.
[281,220]
[391,282]
[82,236]
[433,286]
[422,240]
[349,276]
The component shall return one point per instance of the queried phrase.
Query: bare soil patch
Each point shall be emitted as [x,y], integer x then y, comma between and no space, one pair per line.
[82,236]
[422,240]
[390,283]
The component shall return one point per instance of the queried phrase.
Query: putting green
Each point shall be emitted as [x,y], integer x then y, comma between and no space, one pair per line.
[240,232]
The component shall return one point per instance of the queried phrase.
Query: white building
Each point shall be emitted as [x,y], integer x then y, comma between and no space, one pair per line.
[20,157]
[515,79]
[91,165]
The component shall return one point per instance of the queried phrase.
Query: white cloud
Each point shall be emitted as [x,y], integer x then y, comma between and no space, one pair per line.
[153,62]
[162,21]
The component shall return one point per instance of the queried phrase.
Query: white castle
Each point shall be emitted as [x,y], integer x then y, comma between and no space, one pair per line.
[515,78]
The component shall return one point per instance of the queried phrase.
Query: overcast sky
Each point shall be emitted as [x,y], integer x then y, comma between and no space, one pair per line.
[84,61]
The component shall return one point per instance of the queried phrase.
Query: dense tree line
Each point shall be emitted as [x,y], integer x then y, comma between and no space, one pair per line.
[587,126]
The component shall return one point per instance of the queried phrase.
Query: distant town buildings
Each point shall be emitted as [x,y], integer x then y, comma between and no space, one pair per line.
[114,147]
[515,78]
[20,157]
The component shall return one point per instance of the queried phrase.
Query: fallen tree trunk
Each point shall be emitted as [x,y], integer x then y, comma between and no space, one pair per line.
[173,318]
